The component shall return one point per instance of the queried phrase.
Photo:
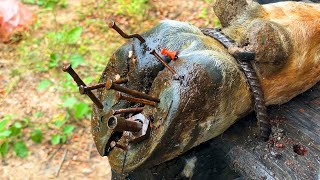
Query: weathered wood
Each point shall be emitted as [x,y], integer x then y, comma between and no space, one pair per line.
[238,152]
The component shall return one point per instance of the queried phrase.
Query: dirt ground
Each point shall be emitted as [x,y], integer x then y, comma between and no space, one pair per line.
[78,158]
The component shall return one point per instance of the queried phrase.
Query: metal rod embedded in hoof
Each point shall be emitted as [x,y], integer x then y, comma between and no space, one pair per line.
[153,52]
[124,35]
[67,68]
[128,110]
[136,100]
[120,124]
[111,85]
[121,81]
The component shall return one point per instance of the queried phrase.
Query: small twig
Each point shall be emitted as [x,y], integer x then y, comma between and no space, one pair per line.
[54,153]
[90,149]
[61,162]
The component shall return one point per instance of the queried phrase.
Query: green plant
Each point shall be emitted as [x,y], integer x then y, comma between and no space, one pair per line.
[11,135]
[47,3]
[61,137]
[133,8]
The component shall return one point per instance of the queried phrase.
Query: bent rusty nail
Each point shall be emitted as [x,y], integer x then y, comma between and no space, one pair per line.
[128,110]
[67,68]
[120,124]
[114,144]
[153,52]
[124,35]
[136,100]
[111,85]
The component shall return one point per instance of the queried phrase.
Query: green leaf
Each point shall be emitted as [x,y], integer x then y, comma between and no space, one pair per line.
[54,60]
[43,84]
[37,114]
[70,102]
[3,123]
[76,60]
[55,139]
[74,35]
[17,125]
[67,129]
[63,138]
[40,2]
[81,110]
[36,136]
[58,123]
[20,149]
[25,121]
[5,133]
[29,1]
[4,148]
[15,129]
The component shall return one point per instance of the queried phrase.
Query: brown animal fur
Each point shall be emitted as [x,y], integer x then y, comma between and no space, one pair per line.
[292,53]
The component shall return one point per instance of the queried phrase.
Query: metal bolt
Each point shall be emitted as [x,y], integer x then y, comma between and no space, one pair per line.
[124,35]
[136,100]
[128,110]
[67,68]
[111,85]
[153,52]
[120,124]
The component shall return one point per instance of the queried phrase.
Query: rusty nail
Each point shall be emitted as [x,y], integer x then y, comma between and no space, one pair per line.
[84,89]
[114,144]
[153,52]
[136,100]
[128,110]
[124,35]
[111,85]
[120,124]
[121,81]
[67,68]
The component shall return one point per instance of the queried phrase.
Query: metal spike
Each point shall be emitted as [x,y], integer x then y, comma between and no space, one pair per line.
[124,35]
[135,93]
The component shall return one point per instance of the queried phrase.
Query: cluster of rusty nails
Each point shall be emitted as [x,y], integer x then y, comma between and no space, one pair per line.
[172,55]
[138,97]
[117,123]
[80,83]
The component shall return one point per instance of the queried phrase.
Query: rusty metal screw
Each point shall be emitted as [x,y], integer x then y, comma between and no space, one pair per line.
[124,35]
[120,124]
[136,100]
[111,85]
[153,52]
[67,68]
